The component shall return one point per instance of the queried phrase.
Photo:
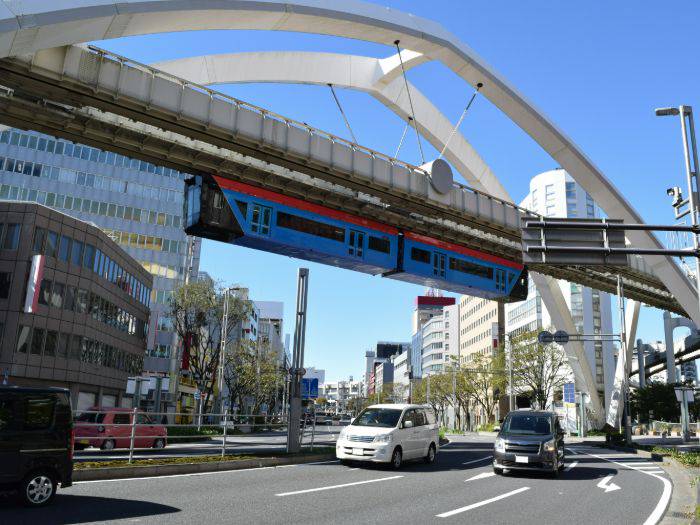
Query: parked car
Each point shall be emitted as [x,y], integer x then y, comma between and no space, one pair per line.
[110,428]
[345,421]
[36,442]
[323,419]
[529,440]
[390,434]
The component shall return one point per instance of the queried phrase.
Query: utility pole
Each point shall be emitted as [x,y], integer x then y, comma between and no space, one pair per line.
[297,371]
[222,349]
[627,416]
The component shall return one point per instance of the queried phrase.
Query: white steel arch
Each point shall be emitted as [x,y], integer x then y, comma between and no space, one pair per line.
[378,78]
[39,24]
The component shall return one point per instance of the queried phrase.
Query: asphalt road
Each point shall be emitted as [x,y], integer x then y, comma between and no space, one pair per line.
[268,442]
[599,486]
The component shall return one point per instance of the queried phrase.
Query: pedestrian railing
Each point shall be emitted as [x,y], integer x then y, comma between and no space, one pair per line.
[141,430]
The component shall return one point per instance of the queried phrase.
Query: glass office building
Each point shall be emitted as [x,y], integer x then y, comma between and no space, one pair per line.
[137,204]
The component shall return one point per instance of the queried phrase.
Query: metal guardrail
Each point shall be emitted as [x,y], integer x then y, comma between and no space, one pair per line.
[265,114]
[227,421]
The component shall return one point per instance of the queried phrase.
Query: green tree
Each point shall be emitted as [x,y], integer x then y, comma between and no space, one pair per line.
[538,369]
[482,381]
[655,401]
[252,371]
[197,312]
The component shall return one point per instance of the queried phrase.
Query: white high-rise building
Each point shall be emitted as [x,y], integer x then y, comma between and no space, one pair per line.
[556,194]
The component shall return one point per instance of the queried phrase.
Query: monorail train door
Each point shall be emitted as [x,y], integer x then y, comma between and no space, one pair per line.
[356,242]
[439,264]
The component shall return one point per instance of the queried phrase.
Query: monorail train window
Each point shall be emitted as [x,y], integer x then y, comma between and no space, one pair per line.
[379,244]
[260,223]
[218,201]
[304,225]
[420,255]
[243,207]
[473,269]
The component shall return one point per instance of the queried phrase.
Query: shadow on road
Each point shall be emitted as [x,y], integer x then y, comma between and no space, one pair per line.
[68,509]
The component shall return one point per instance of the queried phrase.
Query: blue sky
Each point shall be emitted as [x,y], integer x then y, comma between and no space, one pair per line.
[597,69]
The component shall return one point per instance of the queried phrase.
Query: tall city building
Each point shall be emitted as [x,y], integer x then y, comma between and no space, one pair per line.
[73,306]
[555,194]
[481,327]
[271,327]
[426,308]
[137,204]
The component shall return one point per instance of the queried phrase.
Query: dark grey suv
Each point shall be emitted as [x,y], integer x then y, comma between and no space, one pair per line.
[529,440]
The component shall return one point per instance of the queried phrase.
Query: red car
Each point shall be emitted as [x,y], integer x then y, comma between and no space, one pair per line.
[110,428]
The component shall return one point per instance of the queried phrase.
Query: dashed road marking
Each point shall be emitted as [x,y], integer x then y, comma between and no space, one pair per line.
[477,460]
[482,503]
[331,487]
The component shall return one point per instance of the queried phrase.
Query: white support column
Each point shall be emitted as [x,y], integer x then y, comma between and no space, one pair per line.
[554,301]
[624,364]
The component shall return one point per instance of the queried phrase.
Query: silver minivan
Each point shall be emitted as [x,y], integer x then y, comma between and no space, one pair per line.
[390,433]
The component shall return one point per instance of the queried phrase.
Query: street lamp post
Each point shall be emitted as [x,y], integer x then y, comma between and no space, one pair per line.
[690,154]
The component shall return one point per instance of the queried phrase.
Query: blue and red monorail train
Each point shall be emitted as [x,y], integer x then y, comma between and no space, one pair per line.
[245,215]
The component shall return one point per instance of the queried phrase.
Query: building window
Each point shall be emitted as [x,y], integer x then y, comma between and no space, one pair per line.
[45,292]
[51,244]
[64,248]
[76,252]
[37,341]
[51,343]
[57,295]
[11,239]
[5,281]
[23,339]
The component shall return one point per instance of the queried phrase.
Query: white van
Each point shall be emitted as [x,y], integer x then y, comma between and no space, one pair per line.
[390,434]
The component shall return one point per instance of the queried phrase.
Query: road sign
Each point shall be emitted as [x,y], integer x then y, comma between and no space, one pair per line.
[309,388]
[545,337]
[563,242]
[569,393]
[561,337]
[197,395]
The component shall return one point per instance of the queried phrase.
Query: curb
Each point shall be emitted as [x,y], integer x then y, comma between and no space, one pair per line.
[98,474]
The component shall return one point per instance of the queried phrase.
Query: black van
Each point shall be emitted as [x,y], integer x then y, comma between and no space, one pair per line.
[36,442]
[529,440]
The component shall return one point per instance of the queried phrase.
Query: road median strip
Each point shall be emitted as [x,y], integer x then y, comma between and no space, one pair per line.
[95,471]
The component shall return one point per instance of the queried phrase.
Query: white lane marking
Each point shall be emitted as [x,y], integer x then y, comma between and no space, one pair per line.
[607,485]
[639,463]
[664,500]
[330,487]
[483,475]
[571,465]
[482,503]
[477,460]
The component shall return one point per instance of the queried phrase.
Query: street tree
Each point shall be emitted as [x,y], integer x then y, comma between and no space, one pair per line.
[538,369]
[252,374]
[655,401]
[196,309]
[482,381]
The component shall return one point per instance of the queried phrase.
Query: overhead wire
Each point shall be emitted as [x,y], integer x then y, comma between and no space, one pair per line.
[461,118]
[345,118]
[410,102]
[403,136]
